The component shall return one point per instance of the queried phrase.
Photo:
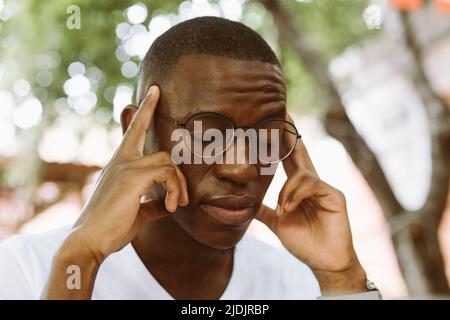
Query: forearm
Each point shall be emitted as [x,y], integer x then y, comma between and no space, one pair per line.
[73,272]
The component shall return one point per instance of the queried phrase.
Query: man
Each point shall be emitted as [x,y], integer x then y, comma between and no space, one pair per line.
[157,230]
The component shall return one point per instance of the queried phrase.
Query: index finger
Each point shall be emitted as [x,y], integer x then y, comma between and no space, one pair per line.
[136,134]
[299,158]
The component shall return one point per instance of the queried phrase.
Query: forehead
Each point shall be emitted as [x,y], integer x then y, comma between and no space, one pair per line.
[224,85]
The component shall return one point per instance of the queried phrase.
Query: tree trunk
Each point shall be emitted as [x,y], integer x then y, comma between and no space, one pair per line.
[425,228]
[416,244]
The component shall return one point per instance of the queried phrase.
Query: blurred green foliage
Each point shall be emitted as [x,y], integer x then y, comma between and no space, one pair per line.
[331,26]
[40,28]
[36,34]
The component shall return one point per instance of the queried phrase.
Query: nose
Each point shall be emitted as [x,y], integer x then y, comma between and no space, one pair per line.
[237,166]
[237,173]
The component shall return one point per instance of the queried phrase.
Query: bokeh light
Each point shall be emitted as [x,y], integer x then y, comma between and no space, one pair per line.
[77,86]
[22,87]
[129,69]
[28,114]
[122,98]
[137,13]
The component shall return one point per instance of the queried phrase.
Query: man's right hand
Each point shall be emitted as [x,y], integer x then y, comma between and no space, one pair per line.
[115,213]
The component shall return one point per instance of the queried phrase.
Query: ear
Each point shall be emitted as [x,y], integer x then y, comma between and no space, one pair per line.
[126,116]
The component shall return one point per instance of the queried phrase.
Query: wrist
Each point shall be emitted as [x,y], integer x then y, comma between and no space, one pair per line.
[73,273]
[76,250]
[347,281]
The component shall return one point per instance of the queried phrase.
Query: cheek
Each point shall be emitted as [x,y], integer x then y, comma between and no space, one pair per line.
[264,180]
[162,140]
[195,175]
[264,183]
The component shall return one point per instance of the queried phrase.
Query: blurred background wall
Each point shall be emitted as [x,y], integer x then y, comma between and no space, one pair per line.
[368,84]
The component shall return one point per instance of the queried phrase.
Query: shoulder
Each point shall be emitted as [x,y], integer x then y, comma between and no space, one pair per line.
[40,245]
[25,262]
[277,270]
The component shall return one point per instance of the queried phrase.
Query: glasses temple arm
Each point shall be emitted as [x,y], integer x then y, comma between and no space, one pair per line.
[297,135]
[167,118]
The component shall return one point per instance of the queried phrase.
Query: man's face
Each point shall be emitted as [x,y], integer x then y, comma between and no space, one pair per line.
[224,198]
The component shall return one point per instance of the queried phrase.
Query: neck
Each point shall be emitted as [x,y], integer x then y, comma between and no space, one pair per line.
[179,262]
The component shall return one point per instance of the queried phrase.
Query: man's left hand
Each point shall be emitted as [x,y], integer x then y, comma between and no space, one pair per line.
[312,223]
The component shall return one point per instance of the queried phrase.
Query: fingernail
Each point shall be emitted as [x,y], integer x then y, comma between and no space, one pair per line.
[170,208]
[150,90]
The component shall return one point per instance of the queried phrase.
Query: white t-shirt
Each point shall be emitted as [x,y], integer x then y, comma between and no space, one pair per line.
[260,271]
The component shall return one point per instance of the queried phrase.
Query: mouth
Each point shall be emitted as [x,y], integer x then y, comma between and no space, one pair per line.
[231,210]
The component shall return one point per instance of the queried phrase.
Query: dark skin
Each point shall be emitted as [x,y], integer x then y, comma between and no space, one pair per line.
[245,97]
[187,251]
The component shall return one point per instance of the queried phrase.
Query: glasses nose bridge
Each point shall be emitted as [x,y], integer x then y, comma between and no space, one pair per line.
[243,152]
[244,128]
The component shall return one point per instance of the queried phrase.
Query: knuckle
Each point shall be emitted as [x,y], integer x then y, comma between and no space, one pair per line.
[165,155]
[340,195]
[169,169]
[167,158]
[315,182]
[302,175]
[308,175]
[162,157]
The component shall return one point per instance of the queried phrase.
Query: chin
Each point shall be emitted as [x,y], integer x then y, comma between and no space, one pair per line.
[227,242]
[210,233]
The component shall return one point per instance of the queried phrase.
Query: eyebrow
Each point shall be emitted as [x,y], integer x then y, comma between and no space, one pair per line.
[277,114]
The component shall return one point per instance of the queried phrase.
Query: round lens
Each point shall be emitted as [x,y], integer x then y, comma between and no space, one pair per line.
[276,140]
[210,134]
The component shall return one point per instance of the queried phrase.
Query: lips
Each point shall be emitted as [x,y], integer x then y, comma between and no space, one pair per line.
[230,209]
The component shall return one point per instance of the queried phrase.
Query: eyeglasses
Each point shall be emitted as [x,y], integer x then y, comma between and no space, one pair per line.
[277,137]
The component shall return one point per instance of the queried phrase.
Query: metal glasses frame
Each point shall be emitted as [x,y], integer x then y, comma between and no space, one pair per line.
[183,123]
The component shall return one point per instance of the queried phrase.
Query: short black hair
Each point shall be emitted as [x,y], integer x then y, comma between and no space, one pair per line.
[203,35]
